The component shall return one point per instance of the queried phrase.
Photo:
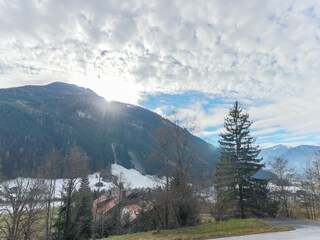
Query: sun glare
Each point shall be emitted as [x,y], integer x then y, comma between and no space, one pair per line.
[112,88]
[118,90]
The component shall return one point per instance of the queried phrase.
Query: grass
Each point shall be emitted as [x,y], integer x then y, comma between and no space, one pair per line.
[207,230]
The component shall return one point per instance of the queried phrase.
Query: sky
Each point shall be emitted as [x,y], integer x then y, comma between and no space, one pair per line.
[190,58]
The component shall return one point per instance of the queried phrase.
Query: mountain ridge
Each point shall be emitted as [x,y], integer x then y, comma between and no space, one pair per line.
[297,156]
[37,119]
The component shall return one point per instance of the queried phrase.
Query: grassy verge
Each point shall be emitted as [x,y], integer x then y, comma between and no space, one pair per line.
[208,230]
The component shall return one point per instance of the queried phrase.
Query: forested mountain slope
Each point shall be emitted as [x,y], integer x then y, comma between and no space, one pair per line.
[37,119]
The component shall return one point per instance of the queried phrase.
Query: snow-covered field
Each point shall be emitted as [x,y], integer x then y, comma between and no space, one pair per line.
[130,177]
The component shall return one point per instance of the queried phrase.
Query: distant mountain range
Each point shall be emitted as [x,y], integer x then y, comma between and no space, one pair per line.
[37,119]
[297,156]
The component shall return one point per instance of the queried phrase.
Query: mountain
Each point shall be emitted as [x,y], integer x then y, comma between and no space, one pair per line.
[37,119]
[269,153]
[297,156]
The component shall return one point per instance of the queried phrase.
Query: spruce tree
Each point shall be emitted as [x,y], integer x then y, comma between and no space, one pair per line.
[224,190]
[76,166]
[65,224]
[83,217]
[239,162]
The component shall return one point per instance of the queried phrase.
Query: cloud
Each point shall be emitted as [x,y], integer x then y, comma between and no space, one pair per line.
[263,53]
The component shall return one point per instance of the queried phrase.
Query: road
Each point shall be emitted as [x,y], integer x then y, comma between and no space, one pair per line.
[305,230]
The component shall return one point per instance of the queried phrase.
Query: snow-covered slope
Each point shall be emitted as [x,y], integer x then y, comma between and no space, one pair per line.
[130,177]
[134,179]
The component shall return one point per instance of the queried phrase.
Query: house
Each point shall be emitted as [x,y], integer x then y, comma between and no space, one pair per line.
[103,204]
[130,203]
[131,210]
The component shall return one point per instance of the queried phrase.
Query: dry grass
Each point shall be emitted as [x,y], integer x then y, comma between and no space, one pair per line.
[208,230]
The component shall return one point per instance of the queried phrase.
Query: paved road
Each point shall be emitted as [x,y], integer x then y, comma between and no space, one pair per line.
[305,230]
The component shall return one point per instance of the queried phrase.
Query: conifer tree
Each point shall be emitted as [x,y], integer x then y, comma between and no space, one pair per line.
[64,224]
[224,190]
[84,218]
[239,162]
[76,166]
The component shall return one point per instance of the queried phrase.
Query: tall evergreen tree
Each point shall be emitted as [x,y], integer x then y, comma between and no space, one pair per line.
[84,218]
[76,166]
[65,224]
[238,164]
[224,190]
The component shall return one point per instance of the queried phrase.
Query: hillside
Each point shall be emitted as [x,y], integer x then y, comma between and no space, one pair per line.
[36,119]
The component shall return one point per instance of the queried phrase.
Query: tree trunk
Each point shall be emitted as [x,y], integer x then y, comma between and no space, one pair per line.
[241,205]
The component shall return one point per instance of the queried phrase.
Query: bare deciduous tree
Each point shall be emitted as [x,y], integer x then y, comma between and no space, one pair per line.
[171,150]
[50,170]
[162,154]
[312,187]
[37,195]
[285,174]
[23,201]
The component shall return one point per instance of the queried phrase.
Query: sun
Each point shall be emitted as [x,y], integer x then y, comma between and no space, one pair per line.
[112,87]
[119,90]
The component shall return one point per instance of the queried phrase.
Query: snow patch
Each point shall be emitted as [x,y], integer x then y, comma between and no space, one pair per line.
[83,114]
[134,179]
[114,153]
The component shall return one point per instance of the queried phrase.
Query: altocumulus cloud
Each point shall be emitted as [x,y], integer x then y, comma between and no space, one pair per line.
[265,54]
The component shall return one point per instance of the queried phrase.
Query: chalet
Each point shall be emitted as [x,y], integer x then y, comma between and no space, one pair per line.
[103,204]
[130,204]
